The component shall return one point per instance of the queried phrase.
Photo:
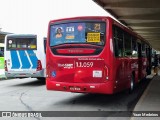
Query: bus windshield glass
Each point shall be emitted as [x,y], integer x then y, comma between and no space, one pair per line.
[21,43]
[78,33]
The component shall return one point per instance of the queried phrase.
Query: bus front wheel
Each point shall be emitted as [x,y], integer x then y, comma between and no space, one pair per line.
[132,84]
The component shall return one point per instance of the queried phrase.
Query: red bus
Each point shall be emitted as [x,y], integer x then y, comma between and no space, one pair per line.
[94,55]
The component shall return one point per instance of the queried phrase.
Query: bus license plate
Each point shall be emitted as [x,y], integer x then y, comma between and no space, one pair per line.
[75,88]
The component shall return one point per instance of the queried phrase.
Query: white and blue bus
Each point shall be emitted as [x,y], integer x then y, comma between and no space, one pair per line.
[24,56]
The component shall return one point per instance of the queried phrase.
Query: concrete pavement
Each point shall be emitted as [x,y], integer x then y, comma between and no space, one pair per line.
[149,101]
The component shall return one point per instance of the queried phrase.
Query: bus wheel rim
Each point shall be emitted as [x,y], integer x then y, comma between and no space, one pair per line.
[132,84]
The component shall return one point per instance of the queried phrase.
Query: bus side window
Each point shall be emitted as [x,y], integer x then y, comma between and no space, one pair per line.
[134,48]
[118,41]
[143,50]
[127,44]
[115,41]
[148,51]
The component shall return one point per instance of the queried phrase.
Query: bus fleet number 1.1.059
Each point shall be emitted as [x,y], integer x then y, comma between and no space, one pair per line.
[84,64]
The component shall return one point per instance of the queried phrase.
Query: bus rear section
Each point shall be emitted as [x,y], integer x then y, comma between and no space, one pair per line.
[22,56]
[76,61]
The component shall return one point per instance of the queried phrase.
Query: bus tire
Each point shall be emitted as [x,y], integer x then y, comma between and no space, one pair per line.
[41,78]
[148,70]
[132,84]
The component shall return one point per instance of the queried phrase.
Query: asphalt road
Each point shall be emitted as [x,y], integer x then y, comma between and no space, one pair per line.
[31,95]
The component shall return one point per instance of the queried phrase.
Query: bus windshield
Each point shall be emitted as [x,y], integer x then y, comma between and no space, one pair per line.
[78,32]
[21,43]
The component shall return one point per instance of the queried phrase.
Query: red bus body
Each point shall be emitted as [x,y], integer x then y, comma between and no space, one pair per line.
[79,68]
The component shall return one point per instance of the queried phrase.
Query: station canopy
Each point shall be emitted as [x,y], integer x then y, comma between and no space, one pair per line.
[142,16]
[2,36]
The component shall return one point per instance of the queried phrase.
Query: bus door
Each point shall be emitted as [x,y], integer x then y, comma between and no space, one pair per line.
[140,63]
[127,55]
[149,63]
[119,54]
[44,43]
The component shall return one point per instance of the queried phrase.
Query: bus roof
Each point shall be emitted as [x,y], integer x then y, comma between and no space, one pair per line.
[80,18]
[21,35]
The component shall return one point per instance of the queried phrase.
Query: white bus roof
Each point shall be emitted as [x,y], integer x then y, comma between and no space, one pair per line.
[21,35]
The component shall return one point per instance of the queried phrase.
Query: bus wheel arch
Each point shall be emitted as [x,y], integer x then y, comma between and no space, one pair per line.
[41,78]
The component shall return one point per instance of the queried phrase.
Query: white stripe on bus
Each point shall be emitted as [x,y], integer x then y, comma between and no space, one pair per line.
[29,59]
[19,59]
